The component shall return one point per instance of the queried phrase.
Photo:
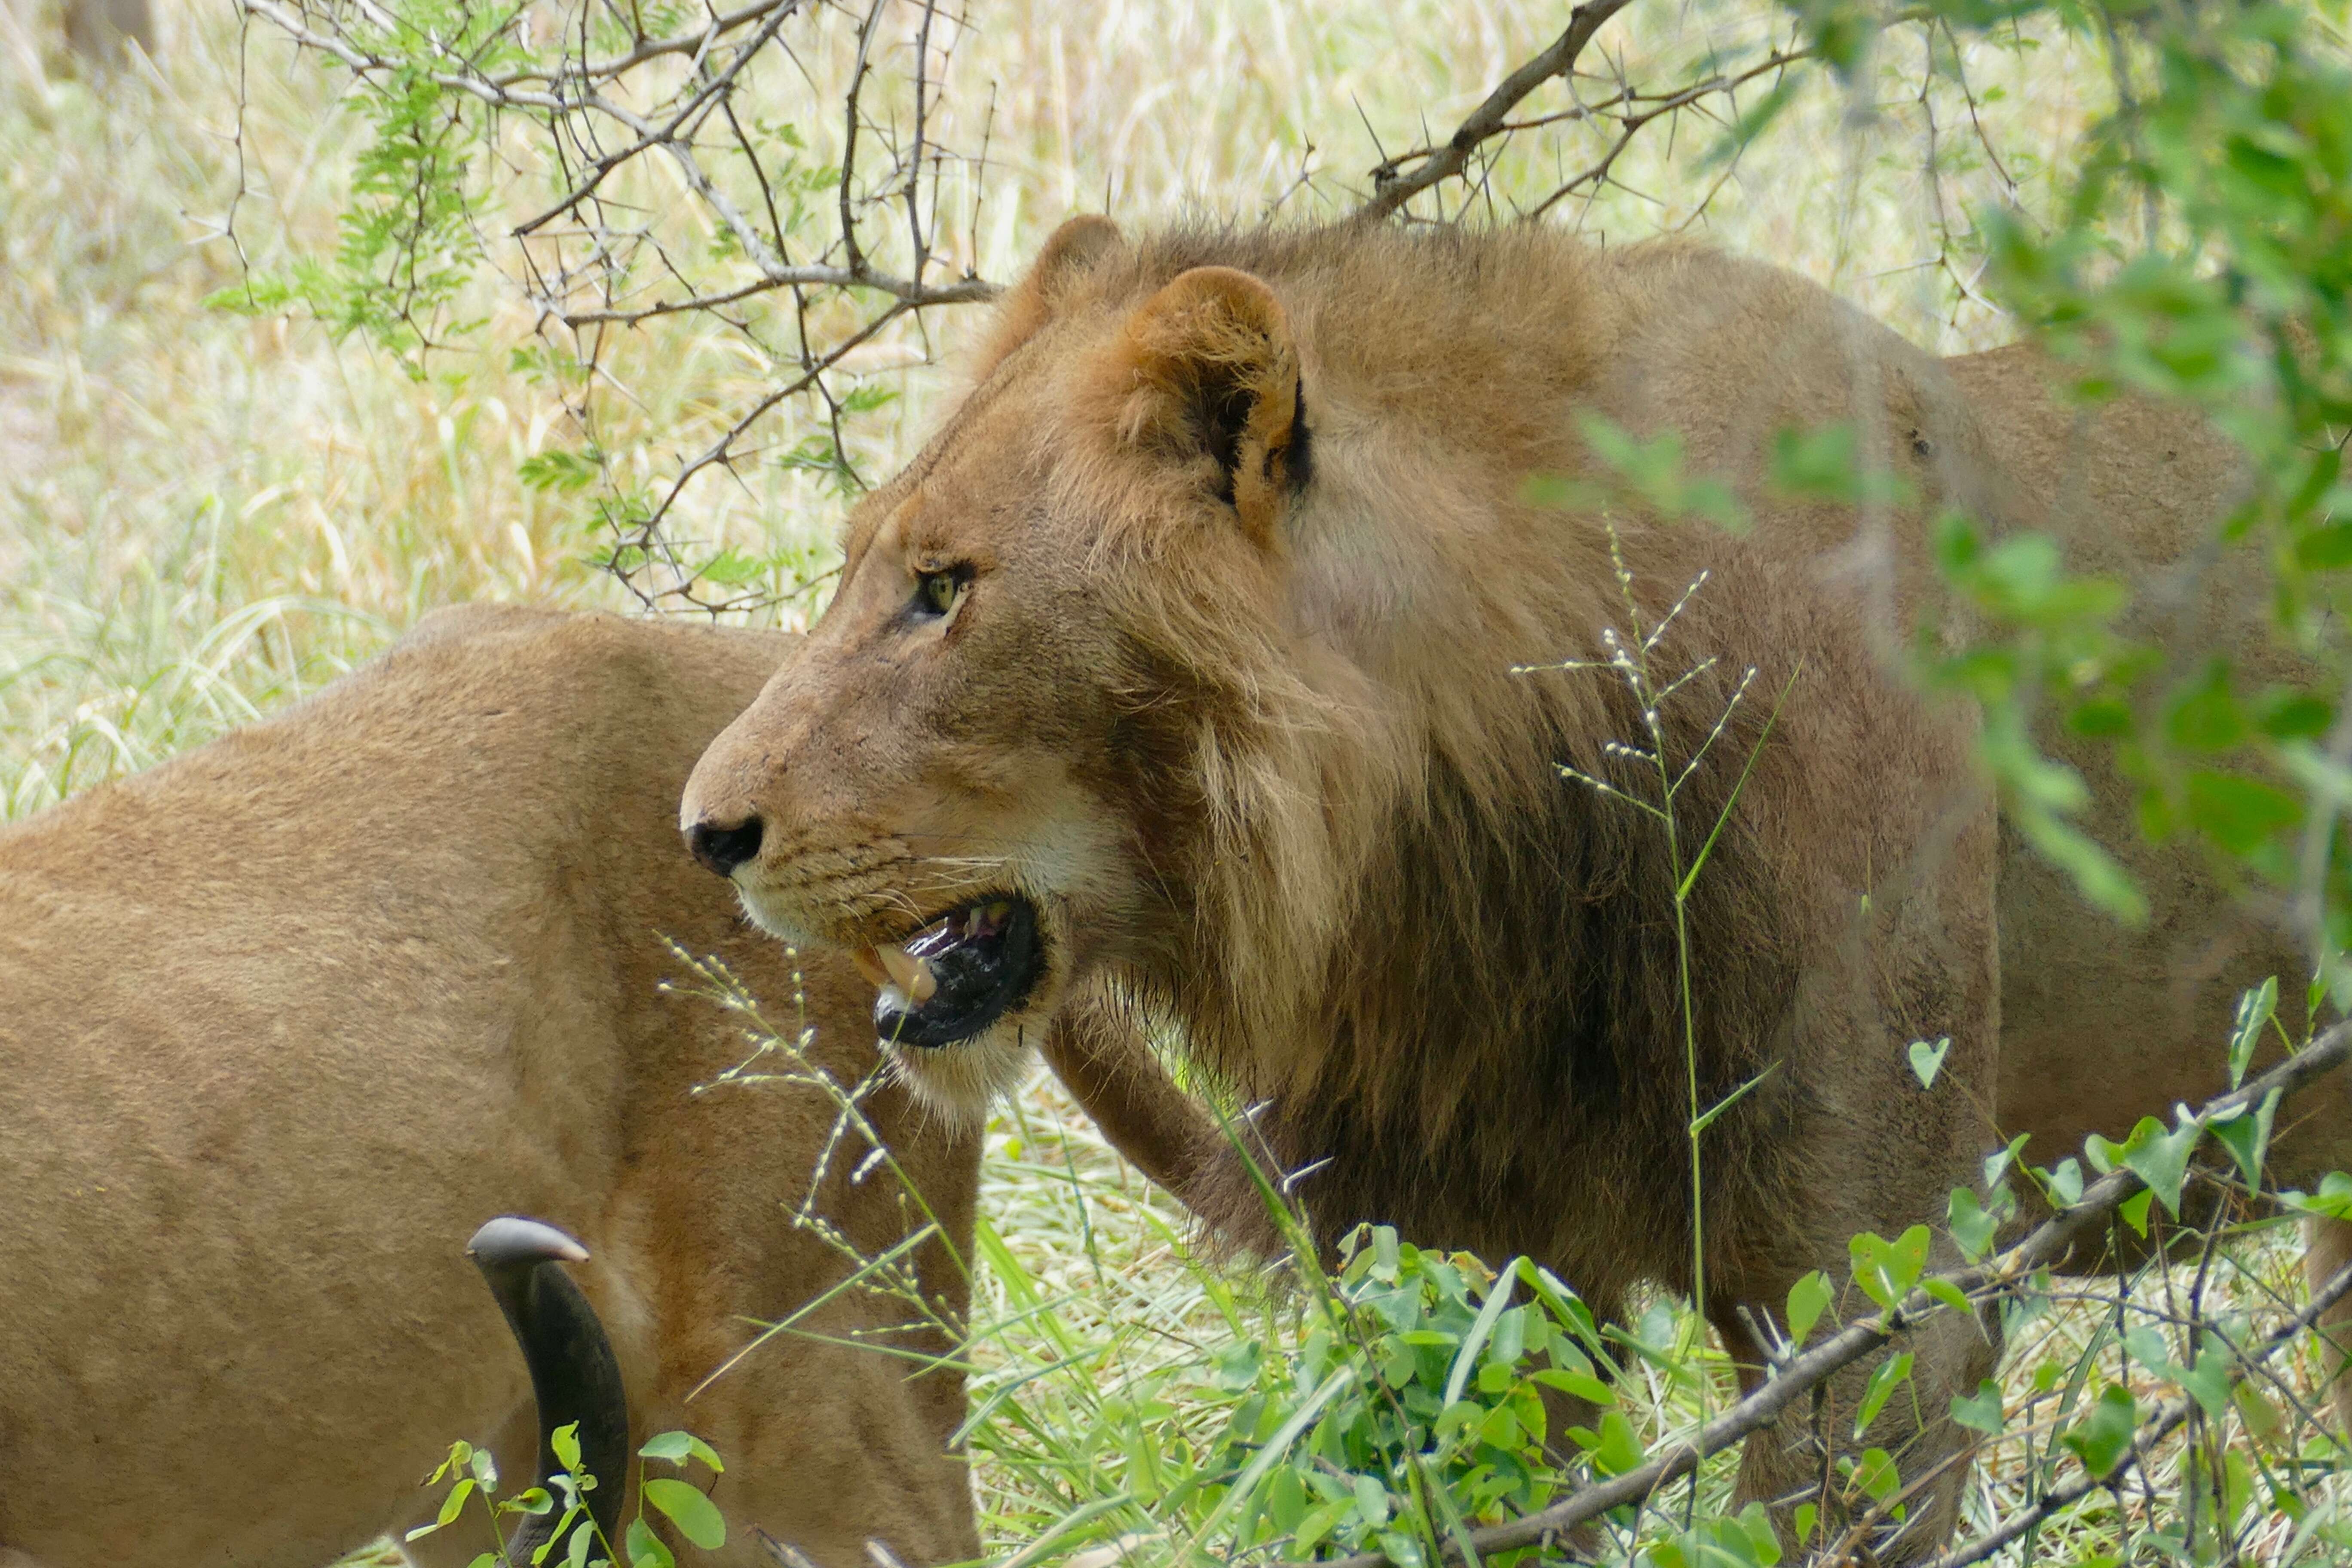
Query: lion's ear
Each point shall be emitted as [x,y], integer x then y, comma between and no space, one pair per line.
[1214,372]
[1075,249]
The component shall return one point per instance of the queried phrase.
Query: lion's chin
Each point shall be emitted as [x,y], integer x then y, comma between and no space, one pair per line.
[958,1083]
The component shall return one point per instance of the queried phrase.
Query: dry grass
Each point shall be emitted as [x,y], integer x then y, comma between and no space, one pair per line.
[202,515]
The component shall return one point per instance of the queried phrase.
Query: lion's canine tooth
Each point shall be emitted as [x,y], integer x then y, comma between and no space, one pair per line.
[871,966]
[911,975]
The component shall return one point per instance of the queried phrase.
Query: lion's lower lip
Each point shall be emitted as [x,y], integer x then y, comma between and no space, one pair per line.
[984,958]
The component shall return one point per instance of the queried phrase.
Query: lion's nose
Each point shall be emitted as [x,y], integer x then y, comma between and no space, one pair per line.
[724,848]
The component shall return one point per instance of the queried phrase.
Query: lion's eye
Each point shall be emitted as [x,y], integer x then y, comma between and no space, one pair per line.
[938,591]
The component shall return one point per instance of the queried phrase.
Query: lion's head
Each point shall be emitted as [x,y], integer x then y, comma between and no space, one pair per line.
[991,769]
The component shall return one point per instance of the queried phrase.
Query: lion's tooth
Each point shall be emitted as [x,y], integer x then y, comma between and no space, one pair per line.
[911,975]
[899,963]
[871,966]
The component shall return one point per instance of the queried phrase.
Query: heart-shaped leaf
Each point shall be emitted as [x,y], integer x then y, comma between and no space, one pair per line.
[2247,1137]
[2102,1438]
[1981,1414]
[1972,1228]
[2065,1182]
[1928,1059]
[2208,1382]
[2161,1159]
[1887,1269]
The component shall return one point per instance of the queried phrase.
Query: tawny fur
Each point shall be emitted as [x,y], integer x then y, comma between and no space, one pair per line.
[283,1020]
[1230,697]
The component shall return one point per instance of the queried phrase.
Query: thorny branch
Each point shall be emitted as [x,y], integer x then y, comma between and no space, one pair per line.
[790,251]
[1393,186]
[2002,1274]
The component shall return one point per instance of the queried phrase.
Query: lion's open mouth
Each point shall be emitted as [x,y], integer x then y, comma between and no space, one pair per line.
[958,974]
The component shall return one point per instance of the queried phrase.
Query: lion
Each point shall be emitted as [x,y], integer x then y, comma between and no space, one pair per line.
[283,1020]
[1220,669]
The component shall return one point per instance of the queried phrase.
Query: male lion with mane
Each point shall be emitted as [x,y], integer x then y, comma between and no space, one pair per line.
[283,1020]
[1217,667]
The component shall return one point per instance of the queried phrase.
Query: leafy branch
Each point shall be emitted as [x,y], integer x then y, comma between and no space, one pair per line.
[2007,1273]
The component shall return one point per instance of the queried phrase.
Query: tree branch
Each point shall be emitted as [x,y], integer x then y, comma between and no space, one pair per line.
[1392,187]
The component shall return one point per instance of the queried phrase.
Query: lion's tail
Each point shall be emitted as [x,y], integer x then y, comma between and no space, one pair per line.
[574,1377]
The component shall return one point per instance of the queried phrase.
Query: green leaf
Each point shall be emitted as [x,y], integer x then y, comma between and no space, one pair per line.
[1616,1450]
[2134,1210]
[2208,1382]
[1582,1385]
[1972,1227]
[2102,1438]
[2239,814]
[1875,1474]
[565,1441]
[1763,1543]
[1944,1290]
[2161,1159]
[2066,1182]
[644,1548]
[1928,1059]
[2207,717]
[696,1518]
[1498,1296]
[1808,1299]
[451,1506]
[1884,1379]
[1997,1164]
[678,1446]
[2144,1345]
[2247,1137]
[2324,549]
[2332,1201]
[485,1468]
[1887,1269]
[732,568]
[2256,1008]
[1981,1414]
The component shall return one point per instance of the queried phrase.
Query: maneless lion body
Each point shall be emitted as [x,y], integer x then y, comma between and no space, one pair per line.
[1218,665]
[282,1021]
